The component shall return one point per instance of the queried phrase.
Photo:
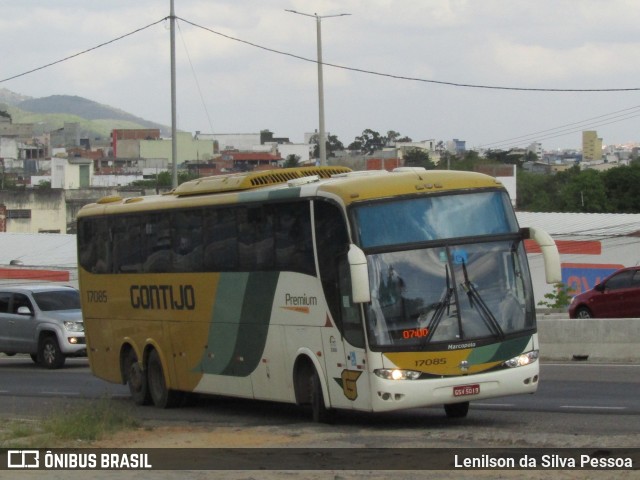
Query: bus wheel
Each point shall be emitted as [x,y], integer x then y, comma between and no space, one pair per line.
[162,396]
[457,410]
[320,413]
[136,378]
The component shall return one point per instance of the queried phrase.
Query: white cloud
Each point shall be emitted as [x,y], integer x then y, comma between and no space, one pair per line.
[542,43]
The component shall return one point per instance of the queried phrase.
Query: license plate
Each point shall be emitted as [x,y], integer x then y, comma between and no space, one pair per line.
[463,390]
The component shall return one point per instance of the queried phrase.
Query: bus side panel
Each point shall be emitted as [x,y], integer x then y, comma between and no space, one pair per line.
[270,379]
[238,332]
[104,361]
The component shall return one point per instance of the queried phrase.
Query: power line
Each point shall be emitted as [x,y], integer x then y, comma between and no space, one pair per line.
[541,135]
[342,67]
[195,77]
[402,77]
[82,52]
[560,130]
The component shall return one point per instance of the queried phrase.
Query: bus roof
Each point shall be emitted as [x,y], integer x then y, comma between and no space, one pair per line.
[250,180]
[350,186]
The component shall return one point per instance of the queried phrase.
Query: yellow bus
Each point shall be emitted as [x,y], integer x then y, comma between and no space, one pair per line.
[323,286]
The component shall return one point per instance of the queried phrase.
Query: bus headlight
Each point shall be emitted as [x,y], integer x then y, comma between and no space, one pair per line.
[74,326]
[397,374]
[522,360]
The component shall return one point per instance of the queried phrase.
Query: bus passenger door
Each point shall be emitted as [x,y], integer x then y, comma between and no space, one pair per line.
[349,385]
[343,335]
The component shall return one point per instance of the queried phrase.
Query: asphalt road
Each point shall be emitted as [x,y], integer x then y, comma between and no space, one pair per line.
[581,398]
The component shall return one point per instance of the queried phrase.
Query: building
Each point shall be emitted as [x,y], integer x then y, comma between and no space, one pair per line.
[591,246]
[591,146]
[456,147]
[188,148]
[71,173]
[132,134]
[28,257]
[245,161]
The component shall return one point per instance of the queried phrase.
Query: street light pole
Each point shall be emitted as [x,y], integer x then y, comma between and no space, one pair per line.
[174,134]
[322,137]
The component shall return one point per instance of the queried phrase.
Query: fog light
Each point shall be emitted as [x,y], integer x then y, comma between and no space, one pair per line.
[72,340]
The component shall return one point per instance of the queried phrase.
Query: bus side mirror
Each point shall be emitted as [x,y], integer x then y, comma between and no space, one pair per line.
[359,270]
[549,251]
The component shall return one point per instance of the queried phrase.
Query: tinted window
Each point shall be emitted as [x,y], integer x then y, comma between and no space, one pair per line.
[4,302]
[20,300]
[240,238]
[220,240]
[619,281]
[94,246]
[55,300]
[127,241]
[421,219]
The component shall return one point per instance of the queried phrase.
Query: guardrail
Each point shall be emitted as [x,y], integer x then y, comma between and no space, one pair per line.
[594,340]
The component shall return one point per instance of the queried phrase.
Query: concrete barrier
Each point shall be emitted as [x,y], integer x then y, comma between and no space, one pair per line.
[593,340]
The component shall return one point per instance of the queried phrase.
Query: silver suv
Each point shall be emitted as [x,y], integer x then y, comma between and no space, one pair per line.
[44,321]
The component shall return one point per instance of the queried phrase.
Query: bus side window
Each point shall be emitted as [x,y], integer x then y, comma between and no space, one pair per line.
[157,242]
[293,241]
[127,245]
[220,240]
[186,237]
[94,246]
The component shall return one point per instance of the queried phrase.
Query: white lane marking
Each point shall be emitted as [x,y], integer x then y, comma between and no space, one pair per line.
[588,407]
[60,394]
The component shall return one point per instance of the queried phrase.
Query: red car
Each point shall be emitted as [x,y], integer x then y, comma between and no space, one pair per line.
[617,296]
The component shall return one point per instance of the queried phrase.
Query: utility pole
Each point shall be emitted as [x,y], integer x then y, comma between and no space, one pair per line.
[322,137]
[174,140]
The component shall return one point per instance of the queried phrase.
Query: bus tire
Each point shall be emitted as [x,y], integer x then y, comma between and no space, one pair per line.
[136,379]
[457,410]
[319,412]
[161,396]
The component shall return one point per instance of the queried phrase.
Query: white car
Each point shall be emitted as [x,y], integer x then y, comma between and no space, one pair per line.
[44,321]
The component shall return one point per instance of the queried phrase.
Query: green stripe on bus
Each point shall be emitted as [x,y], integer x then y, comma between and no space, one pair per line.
[254,324]
[261,195]
[240,323]
[499,351]
[225,322]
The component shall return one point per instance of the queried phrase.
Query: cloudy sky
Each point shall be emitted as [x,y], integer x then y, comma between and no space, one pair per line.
[248,65]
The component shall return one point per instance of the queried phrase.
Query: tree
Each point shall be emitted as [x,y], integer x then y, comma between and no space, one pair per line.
[536,192]
[291,161]
[418,157]
[621,185]
[584,192]
[468,161]
[368,142]
[332,145]
[561,298]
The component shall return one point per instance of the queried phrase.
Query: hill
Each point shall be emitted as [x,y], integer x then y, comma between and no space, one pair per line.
[50,113]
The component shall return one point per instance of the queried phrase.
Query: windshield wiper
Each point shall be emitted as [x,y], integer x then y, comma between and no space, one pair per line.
[444,303]
[476,301]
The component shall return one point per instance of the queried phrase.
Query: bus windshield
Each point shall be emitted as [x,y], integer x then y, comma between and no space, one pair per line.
[435,217]
[447,290]
[449,294]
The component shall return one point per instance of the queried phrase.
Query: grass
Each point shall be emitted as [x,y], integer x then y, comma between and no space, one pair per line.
[85,423]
